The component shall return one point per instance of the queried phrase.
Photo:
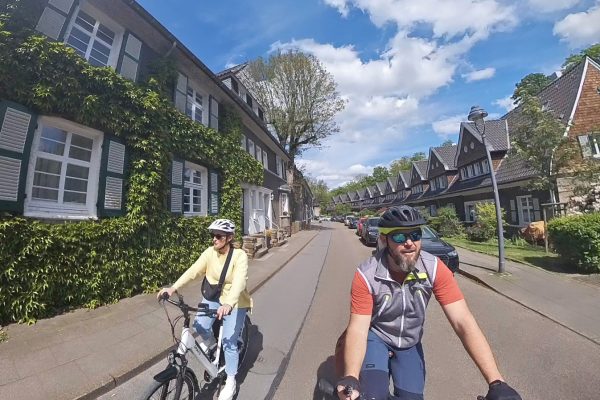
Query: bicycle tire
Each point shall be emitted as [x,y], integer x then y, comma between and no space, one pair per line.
[166,390]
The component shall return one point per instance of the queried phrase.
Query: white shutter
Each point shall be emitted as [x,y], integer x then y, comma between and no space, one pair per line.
[214,193]
[536,209]
[131,57]
[51,23]
[116,157]
[113,193]
[177,173]
[176,200]
[14,130]
[62,5]
[181,92]
[584,143]
[10,169]
[513,212]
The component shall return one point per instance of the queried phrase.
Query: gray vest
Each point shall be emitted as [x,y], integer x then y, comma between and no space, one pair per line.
[399,308]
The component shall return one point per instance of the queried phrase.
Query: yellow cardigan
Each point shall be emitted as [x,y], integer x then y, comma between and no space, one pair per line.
[210,264]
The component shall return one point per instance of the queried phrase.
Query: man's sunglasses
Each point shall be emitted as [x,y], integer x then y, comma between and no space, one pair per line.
[217,236]
[402,237]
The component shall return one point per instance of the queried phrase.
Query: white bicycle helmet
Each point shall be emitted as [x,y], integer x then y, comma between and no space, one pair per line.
[223,225]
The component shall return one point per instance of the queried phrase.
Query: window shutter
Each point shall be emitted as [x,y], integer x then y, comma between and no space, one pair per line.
[213,202]
[536,209]
[584,143]
[176,195]
[130,56]
[111,193]
[17,124]
[181,92]
[213,113]
[55,17]
[513,212]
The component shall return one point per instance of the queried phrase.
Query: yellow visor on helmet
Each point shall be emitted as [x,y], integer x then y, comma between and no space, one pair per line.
[385,231]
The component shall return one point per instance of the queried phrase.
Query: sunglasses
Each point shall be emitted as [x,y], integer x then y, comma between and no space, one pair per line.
[402,237]
[217,236]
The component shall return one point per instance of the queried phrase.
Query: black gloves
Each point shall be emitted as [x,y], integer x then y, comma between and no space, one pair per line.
[501,391]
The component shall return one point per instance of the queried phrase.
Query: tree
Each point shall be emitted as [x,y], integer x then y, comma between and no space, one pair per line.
[574,59]
[530,85]
[405,163]
[540,139]
[299,97]
[320,191]
[380,174]
[447,143]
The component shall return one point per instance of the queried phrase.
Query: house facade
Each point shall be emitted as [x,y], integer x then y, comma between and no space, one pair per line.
[55,168]
[458,176]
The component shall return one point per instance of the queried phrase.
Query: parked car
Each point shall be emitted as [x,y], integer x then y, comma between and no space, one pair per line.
[432,243]
[352,222]
[370,232]
[359,226]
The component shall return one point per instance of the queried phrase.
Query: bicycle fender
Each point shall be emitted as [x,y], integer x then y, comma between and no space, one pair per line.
[168,373]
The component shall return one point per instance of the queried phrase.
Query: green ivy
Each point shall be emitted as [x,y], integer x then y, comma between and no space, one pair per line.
[46,268]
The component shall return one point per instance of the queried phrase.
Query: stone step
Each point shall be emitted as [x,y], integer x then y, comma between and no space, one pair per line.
[261,252]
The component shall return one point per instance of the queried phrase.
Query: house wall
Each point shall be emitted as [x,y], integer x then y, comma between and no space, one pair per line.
[587,114]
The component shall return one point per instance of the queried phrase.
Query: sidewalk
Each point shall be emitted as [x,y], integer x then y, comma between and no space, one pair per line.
[560,297]
[85,353]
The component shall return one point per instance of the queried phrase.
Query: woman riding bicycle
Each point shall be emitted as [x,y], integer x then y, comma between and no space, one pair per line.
[232,302]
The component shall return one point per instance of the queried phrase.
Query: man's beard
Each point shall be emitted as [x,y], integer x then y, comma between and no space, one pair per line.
[402,262]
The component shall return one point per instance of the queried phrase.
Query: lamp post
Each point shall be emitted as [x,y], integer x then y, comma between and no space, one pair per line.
[477,115]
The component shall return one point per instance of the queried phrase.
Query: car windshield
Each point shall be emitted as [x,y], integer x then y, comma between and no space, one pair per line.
[373,221]
[428,233]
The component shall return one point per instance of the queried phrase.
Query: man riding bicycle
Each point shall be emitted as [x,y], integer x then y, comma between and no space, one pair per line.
[389,297]
[232,302]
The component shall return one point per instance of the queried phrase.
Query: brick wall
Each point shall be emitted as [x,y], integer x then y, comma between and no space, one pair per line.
[587,114]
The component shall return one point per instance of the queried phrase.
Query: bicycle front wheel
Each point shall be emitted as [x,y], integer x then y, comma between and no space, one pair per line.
[166,390]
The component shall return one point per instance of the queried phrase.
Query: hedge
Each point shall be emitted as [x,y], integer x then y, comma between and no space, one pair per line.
[577,239]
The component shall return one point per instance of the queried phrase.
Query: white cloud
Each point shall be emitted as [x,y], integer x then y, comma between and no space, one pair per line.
[480,75]
[552,5]
[506,103]
[448,126]
[580,29]
[341,5]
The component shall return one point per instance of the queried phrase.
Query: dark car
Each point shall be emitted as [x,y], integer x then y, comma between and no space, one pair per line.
[370,232]
[432,243]
[352,222]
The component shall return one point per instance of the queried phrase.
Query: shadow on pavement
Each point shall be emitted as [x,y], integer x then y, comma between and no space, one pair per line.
[325,371]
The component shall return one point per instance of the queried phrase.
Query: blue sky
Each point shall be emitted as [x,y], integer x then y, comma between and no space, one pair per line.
[409,70]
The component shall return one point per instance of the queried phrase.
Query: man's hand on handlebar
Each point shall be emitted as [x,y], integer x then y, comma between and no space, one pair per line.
[165,291]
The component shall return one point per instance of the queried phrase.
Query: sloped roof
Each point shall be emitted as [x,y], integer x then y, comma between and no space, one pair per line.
[232,71]
[421,167]
[558,97]
[381,186]
[447,155]
[405,180]
[393,180]
[496,134]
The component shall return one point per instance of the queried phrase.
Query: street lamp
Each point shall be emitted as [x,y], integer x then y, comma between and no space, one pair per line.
[477,115]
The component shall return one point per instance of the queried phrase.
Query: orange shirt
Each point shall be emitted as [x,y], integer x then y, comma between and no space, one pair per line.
[445,289]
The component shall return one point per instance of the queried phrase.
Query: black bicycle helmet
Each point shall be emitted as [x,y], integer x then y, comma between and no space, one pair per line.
[398,217]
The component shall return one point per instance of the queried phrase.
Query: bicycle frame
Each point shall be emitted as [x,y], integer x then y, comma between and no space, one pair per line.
[189,343]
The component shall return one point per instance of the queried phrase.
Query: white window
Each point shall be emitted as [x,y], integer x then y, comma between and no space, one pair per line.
[285,207]
[485,166]
[243,143]
[265,159]
[96,41]
[195,189]
[433,210]
[279,166]
[471,210]
[525,207]
[62,180]
[595,144]
[258,154]
[251,147]
[193,105]
[471,170]
[478,170]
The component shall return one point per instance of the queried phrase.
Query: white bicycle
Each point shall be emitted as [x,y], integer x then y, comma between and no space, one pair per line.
[178,381]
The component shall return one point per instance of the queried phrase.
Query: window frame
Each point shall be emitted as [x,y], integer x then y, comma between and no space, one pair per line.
[194,103]
[102,19]
[529,208]
[202,186]
[48,209]
[594,140]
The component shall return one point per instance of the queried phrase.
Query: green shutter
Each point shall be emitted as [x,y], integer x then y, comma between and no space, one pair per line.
[213,113]
[55,18]
[181,92]
[111,191]
[213,197]
[16,135]
[176,194]
[513,212]
[129,58]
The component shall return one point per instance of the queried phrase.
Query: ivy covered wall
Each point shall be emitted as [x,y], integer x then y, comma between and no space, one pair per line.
[47,268]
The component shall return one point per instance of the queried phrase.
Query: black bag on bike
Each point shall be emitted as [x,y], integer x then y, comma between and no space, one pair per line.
[213,292]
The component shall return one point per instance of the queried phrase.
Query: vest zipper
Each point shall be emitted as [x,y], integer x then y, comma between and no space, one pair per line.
[402,318]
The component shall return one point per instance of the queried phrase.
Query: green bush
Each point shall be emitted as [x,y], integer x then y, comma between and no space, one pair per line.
[51,268]
[486,226]
[577,240]
[446,222]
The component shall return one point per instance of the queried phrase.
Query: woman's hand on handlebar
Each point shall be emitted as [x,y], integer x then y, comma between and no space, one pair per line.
[224,310]
[168,291]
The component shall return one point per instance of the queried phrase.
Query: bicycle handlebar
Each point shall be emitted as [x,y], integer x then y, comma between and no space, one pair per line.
[202,308]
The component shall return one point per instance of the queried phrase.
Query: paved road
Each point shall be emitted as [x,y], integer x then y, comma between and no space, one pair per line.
[300,312]
[542,359]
